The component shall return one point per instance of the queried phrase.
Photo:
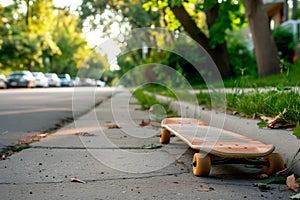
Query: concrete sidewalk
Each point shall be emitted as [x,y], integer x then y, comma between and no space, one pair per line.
[104,150]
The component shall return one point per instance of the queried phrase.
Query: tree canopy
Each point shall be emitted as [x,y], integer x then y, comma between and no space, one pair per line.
[37,36]
[206,21]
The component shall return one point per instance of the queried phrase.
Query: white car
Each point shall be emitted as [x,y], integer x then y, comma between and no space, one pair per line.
[53,80]
[2,81]
[40,79]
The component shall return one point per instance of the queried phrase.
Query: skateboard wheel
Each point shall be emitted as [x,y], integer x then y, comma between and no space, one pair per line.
[164,136]
[201,164]
[275,163]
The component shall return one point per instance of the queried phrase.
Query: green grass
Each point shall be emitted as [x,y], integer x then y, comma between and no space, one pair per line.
[248,104]
[290,77]
[147,101]
[269,103]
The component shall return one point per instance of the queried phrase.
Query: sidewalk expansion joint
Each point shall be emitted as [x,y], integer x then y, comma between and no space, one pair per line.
[83,148]
[99,180]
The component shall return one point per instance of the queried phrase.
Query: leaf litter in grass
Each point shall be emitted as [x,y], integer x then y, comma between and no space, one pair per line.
[279,121]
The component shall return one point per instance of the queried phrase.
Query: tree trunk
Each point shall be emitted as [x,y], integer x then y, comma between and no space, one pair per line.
[265,48]
[219,54]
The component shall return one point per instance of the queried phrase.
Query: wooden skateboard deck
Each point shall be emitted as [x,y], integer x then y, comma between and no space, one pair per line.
[215,141]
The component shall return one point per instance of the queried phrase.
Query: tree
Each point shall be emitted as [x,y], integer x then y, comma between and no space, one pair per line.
[68,37]
[37,36]
[179,15]
[265,49]
[19,49]
[215,47]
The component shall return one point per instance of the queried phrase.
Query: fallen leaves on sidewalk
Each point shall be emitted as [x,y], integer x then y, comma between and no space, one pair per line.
[77,180]
[262,176]
[84,134]
[144,123]
[149,123]
[113,126]
[291,183]
[263,186]
[179,161]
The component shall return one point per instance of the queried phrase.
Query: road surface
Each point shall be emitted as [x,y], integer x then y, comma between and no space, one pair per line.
[27,112]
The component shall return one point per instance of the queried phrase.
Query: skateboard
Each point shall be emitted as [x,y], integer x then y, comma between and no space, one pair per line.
[219,146]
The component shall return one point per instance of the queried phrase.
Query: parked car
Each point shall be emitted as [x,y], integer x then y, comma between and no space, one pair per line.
[65,80]
[3,81]
[75,81]
[40,79]
[21,79]
[53,79]
[100,83]
[87,82]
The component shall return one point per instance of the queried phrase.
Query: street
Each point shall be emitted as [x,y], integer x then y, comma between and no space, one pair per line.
[27,112]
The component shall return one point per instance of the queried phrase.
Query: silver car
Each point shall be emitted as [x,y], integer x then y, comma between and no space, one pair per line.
[40,79]
[53,80]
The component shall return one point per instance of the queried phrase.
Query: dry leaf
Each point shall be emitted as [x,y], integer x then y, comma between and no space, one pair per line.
[206,189]
[113,126]
[179,161]
[262,176]
[84,134]
[263,186]
[143,123]
[266,119]
[279,121]
[42,135]
[77,180]
[291,183]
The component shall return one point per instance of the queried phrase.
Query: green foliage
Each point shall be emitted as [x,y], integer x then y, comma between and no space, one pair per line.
[242,61]
[227,13]
[279,179]
[254,104]
[268,103]
[285,43]
[149,101]
[289,78]
[36,36]
[145,100]
[297,130]
[69,40]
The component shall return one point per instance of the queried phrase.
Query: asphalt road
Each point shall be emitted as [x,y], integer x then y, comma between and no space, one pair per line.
[27,112]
